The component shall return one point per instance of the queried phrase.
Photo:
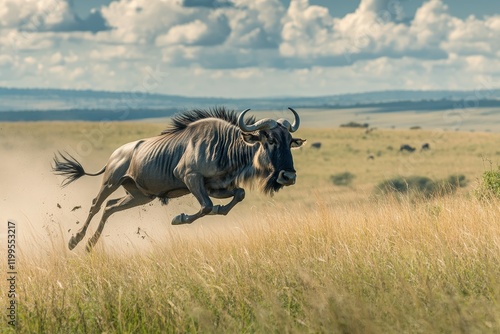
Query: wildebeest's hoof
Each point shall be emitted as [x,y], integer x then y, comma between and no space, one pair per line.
[180,219]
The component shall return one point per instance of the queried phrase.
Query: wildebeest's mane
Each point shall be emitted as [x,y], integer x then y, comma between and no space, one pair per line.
[181,121]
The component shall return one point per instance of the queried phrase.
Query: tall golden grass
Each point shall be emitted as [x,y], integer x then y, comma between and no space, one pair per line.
[381,267]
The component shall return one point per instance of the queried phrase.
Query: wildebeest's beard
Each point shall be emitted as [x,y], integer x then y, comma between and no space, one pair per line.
[271,184]
[267,172]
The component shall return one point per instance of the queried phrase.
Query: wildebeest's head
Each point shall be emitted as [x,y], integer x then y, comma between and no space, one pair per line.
[273,158]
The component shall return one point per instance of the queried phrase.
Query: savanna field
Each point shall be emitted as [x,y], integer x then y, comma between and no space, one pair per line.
[330,254]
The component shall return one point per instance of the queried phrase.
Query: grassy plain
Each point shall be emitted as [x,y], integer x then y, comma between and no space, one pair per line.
[314,258]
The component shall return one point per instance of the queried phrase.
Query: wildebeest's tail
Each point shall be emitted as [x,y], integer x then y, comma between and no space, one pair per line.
[67,166]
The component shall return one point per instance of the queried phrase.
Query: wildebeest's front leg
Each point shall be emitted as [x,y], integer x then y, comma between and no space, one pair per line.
[196,185]
[238,195]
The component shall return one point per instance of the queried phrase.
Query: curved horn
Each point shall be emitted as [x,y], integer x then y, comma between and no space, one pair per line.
[264,124]
[295,126]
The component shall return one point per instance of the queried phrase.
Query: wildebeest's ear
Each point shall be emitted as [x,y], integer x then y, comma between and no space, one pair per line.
[250,138]
[297,142]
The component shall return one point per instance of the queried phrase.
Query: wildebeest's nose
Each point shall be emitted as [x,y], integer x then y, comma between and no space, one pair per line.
[286,178]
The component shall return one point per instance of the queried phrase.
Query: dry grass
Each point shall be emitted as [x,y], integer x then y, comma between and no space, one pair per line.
[328,260]
[379,268]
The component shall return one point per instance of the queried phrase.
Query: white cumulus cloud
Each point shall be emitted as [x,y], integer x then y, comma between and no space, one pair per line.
[235,42]
[212,32]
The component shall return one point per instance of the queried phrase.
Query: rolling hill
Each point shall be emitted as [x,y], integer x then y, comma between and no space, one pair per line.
[17,104]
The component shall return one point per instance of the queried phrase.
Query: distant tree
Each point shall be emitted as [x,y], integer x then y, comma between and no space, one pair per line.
[355,125]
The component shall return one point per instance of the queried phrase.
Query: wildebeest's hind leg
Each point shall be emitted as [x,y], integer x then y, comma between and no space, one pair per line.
[238,195]
[105,191]
[133,198]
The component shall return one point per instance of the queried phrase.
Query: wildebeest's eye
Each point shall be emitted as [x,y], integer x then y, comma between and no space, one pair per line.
[270,140]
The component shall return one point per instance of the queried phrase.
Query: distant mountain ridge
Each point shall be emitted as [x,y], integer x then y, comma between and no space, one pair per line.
[60,104]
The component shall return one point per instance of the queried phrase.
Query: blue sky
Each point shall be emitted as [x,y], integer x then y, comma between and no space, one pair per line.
[250,48]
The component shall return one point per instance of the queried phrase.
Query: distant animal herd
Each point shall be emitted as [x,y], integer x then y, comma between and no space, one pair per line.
[408,148]
[402,148]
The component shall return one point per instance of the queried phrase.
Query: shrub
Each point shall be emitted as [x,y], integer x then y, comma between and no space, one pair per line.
[342,179]
[457,181]
[421,186]
[489,184]
[450,184]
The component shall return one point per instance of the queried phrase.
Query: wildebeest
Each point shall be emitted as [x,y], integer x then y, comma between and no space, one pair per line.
[316,145]
[208,153]
[426,147]
[406,147]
